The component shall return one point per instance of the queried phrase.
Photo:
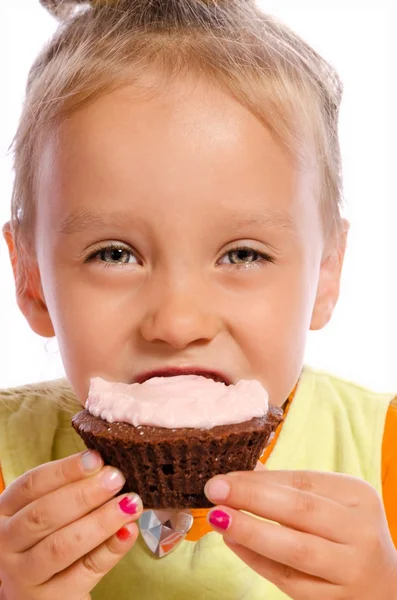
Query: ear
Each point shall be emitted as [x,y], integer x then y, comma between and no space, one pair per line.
[30,297]
[329,280]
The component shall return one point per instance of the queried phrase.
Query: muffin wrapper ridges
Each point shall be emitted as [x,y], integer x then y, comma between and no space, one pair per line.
[172,473]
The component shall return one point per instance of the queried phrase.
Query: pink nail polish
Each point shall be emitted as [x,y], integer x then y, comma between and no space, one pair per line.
[219,519]
[131,504]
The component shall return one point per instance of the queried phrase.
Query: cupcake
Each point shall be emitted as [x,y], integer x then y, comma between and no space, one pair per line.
[170,435]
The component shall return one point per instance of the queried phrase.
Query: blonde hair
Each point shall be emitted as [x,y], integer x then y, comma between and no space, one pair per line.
[104,44]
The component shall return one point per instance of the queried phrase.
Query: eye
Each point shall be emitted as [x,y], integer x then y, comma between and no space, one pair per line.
[113,254]
[244,256]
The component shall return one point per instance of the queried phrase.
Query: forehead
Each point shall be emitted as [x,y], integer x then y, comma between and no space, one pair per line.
[187,147]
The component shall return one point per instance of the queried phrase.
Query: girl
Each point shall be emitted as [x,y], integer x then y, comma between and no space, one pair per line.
[177,209]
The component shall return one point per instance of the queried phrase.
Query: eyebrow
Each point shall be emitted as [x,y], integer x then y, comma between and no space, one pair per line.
[78,221]
[265,218]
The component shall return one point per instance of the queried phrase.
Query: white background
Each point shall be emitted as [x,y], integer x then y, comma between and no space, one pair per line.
[356,36]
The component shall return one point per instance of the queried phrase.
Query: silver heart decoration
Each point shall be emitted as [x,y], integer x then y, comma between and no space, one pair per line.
[164,530]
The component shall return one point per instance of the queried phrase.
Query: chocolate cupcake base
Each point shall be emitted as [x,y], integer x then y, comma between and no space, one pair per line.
[168,468]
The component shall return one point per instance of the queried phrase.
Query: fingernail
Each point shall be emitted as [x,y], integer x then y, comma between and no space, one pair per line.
[126,532]
[91,461]
[219,519]
[131,504]
[112,479]
[230,542]
[217,489]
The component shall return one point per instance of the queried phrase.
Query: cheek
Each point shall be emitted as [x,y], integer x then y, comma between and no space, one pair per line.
[93,326]
[272,329]
[279,309]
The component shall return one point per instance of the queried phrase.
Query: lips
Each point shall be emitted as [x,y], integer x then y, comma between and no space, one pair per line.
[175,371]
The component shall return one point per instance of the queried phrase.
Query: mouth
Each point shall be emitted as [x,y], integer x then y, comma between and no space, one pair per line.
[216,376]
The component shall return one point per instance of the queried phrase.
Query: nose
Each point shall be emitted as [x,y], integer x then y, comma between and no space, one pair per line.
[180,319]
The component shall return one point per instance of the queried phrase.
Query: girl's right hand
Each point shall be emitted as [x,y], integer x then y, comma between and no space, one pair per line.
[61,530]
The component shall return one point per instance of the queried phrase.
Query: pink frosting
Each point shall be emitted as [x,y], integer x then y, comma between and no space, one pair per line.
[176,402]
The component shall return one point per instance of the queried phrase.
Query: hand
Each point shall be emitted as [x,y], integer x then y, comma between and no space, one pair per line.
[333,542]
[61,530]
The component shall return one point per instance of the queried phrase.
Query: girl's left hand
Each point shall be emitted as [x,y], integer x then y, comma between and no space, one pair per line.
[333,542]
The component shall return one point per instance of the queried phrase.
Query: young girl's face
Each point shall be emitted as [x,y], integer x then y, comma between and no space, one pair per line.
[173,231]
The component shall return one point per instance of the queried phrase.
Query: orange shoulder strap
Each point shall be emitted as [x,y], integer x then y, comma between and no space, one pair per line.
[389,469]
[2,484]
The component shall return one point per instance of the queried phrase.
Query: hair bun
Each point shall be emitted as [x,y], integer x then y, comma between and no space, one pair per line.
[63,9]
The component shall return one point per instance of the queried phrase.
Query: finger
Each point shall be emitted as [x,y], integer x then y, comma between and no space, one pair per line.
[46,478]
[288,506]
[293,583]
[68,545]
[90,569]
[54,511]
[339,487]
[301,551]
